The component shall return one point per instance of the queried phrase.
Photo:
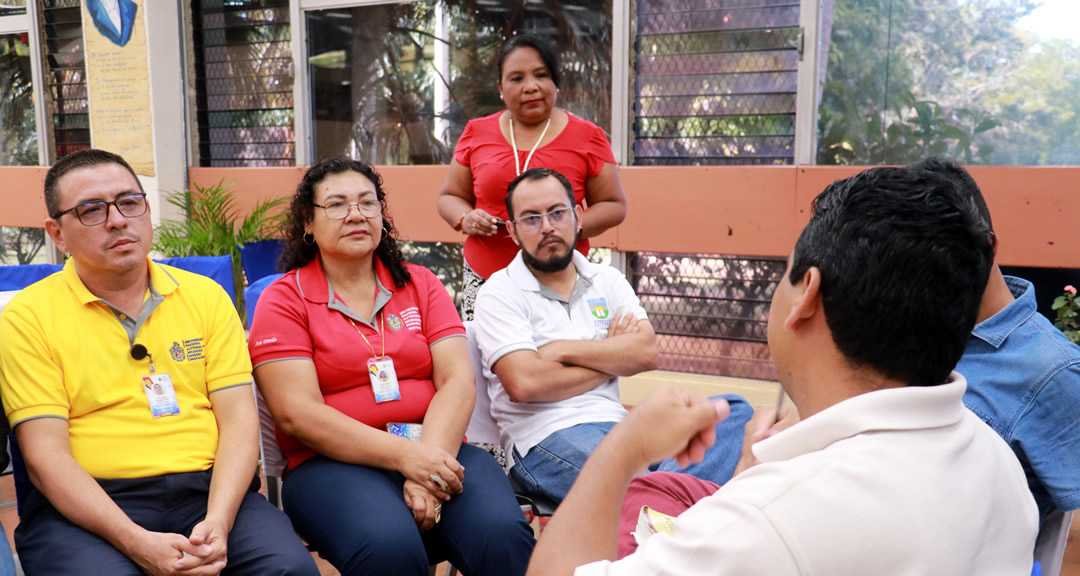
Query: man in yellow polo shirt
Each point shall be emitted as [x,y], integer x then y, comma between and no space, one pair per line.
[128,385]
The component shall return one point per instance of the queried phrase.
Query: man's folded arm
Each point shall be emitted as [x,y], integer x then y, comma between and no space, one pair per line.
[529,378]
[624,353]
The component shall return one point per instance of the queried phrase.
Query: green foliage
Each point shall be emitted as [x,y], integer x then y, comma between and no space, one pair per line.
[23,243]
[212,228]
[1067,307]
[909,78]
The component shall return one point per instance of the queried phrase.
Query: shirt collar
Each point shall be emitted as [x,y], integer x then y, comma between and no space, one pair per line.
[995,329]
[161,282]
[523,278]
[905,408]
[315,287]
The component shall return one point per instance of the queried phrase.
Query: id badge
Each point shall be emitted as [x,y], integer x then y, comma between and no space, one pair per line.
[160,395]
[383,379]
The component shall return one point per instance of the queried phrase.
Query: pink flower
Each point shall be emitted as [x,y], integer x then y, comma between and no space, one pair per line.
[1071,289]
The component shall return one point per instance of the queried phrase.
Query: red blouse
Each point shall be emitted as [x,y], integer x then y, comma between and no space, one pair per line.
[299,317]
[579,152]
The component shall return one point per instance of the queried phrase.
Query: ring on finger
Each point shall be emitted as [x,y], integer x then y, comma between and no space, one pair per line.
[438,512]
[439,481]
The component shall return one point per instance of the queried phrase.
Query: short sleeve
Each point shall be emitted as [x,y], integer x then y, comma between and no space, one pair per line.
[280,327]
[227,363]
[715,536]
[598,151]
[31,383]
[623,297]
[465,144]
[441,319]
[1051,441]
[502,323]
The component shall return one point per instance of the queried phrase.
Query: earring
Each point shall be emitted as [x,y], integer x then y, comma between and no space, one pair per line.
[309,239]
[500,96]
[385,228]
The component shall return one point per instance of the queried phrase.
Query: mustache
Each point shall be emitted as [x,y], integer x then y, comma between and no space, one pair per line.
[552,236]
[120,235]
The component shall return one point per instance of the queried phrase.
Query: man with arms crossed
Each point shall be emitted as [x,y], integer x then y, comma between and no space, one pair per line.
[555,332]
[132,476]
[888,472]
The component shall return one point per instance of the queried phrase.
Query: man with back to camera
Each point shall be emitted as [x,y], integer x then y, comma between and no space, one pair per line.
[1023,374]
[128,480]
[888,472]
[1023,379]
[555,332]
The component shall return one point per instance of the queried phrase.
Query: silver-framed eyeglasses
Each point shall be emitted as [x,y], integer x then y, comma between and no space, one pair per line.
[558,217]
[338,210]
[97,212]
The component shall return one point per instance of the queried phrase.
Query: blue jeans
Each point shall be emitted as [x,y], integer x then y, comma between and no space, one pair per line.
[553,465]
[7,561]
[356,518]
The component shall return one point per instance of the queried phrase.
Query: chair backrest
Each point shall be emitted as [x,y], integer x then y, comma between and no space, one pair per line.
[1050,545]
[253,291]
[217,268]
[482,427]
[19,277]
[259,259]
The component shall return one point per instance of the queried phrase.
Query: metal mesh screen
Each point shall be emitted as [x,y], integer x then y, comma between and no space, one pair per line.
[243,82]
[715,84]
[715,81]
[65,69]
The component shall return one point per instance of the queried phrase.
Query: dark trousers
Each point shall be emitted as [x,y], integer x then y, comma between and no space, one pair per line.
[262,541]
[356,518]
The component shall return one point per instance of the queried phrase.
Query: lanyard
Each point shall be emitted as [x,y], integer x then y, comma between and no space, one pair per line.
[382,334]
[517,166]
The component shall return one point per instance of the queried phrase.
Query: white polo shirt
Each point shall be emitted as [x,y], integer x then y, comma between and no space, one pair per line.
[900,481]
[515,312]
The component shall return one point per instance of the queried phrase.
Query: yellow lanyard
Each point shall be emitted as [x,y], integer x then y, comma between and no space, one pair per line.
[382,334]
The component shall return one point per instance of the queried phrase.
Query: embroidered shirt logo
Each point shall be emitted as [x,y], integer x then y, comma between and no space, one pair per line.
[598,308]
[393,321]
[411,317]
[177,352]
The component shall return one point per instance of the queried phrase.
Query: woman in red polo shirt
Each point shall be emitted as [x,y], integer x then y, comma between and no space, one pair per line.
[530,133]
[352,342]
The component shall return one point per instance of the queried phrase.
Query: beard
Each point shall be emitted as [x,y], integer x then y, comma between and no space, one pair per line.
[554,263]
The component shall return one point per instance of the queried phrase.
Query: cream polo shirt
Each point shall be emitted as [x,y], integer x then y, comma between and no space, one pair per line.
[64,353]
[515,312]
[901,481]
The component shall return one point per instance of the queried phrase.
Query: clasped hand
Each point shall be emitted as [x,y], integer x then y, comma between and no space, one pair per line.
[423,461]
[167,554]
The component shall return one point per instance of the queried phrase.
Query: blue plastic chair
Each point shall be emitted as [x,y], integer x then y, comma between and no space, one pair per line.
[254,290]
[19,277]
[217,268]
[260,259]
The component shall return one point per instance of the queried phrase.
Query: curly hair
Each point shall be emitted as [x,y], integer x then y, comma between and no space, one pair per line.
[302,209]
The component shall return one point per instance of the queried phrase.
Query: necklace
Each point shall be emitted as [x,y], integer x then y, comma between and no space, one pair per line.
[513,142]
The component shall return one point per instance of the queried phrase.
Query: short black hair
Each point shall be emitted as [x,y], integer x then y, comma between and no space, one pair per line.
[955,173]
[904,260]
[551,60]
[77,160]
[536,174]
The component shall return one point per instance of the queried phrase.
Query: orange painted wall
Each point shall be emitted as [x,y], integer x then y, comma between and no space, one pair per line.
[23,191]
[754,211]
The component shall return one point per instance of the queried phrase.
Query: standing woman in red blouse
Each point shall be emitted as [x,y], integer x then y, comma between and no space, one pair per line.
[349,343]
[530,133]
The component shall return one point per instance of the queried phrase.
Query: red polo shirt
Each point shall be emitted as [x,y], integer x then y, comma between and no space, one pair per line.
[299,316]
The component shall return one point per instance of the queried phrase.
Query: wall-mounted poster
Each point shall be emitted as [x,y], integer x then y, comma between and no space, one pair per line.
[118,79]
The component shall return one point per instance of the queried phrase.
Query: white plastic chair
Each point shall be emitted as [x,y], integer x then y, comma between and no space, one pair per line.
[1050,545]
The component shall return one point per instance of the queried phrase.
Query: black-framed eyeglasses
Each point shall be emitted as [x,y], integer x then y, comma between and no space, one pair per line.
[97,211]
[337,210]
[558,217]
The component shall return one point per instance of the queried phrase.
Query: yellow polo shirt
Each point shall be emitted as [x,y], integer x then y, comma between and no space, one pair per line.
[64,353]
